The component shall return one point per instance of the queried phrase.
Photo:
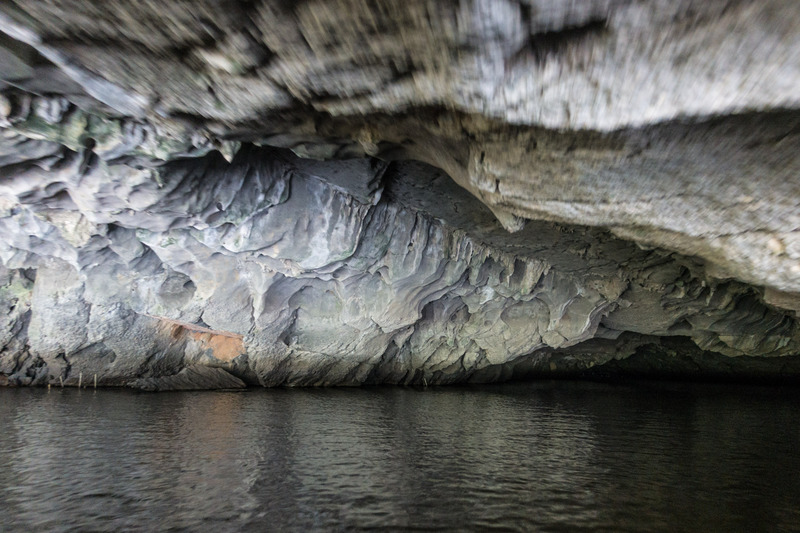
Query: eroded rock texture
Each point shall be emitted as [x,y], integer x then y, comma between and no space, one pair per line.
[209,194]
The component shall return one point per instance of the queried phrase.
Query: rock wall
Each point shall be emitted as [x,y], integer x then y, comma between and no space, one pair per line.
[333,193]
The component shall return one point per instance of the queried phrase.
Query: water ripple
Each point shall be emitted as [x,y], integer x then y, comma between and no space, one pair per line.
[551,456]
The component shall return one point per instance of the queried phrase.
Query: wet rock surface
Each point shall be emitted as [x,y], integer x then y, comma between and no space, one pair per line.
[424,193]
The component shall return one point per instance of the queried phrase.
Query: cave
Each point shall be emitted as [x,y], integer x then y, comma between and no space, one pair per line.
[217,195]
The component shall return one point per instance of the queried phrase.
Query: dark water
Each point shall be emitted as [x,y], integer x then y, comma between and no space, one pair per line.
[552,456]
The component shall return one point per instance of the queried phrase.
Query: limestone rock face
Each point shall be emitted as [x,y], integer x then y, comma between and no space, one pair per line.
[212,195]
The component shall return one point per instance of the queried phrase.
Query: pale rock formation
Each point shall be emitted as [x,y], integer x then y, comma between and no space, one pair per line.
[209,195]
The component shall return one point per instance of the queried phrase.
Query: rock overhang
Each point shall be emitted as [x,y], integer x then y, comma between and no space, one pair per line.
[383,211]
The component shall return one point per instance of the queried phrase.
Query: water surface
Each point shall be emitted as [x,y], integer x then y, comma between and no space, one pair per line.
[548,456]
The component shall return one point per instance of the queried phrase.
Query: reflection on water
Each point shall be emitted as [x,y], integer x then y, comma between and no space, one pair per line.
[553,456]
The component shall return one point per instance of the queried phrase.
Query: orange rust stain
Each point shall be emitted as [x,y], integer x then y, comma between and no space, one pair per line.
[224,345]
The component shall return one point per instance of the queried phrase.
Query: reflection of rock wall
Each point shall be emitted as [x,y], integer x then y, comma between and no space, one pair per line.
[276,270]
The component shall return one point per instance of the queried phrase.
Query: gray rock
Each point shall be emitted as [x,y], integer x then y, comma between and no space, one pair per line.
[336,193]
[191,378]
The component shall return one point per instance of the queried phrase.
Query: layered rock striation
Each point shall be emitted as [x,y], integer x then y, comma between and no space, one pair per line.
[331,193]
